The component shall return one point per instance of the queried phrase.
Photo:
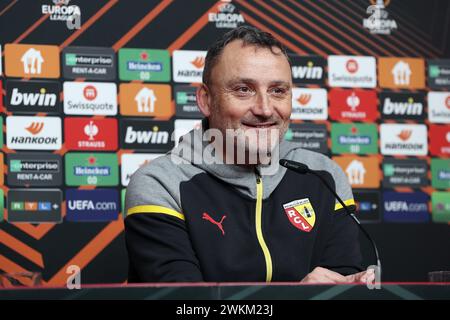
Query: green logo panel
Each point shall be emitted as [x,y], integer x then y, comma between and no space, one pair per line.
[441,207]
[144,64]
[92,169]
[354,138]
[123,202]
[440,173]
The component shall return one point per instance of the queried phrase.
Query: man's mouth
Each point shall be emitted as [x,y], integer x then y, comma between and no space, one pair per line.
[262,125]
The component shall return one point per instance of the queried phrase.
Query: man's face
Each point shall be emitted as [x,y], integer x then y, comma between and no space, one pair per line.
[250,90]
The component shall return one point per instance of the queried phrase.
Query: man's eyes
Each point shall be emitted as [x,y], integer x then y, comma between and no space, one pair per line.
[243,89]
[276,91]
[279,91]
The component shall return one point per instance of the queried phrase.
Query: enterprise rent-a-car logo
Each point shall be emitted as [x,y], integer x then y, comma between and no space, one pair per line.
[34,169]
[91,63]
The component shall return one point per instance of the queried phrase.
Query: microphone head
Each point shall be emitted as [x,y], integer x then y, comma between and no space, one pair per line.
[294,165]
[283,162]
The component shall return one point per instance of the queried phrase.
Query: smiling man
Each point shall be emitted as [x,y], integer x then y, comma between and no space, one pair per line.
[193,219]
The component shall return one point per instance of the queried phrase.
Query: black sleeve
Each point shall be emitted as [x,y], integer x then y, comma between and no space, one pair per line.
[159,249]
[342,252]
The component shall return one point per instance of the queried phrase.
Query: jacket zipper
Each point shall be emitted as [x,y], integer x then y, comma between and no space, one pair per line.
[259,234]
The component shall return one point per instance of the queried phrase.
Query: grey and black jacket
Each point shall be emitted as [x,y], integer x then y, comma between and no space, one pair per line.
[195,222]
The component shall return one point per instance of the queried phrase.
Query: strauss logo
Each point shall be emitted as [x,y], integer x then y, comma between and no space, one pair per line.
[91,130]
[353,101]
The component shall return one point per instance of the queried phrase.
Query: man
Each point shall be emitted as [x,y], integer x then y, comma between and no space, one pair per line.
[218,221]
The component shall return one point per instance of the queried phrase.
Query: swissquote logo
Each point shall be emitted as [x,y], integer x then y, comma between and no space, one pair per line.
[300,214]
[188,65]
[439,107]
[90,98]
[352,71]
[29,133]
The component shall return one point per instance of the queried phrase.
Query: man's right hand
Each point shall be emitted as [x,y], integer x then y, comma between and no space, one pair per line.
[322,275]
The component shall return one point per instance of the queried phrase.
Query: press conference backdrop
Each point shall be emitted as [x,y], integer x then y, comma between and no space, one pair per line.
[86,102]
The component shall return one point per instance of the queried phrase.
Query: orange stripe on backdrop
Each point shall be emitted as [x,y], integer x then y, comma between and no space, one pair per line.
[8,7]
[393,43]
[90,251]
[329,25]
[283,29]
[88,23]
[287,43]
[37,232]
[141,24]
[8,266]
[21,248]
[324,42]
[192,30]
[410,29]
[348,27]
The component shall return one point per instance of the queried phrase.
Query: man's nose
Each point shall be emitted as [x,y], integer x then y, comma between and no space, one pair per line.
[262,106]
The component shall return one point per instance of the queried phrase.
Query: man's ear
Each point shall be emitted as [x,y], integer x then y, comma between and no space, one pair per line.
[204,100]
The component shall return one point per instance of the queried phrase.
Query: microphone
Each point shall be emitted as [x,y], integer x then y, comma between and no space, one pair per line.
[304,169]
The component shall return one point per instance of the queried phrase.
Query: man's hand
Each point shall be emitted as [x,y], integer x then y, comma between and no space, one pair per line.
[322,275]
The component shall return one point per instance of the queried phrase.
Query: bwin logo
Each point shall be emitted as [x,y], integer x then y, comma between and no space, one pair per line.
[402,108]
[307,72]
[33,99]
[153,137]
